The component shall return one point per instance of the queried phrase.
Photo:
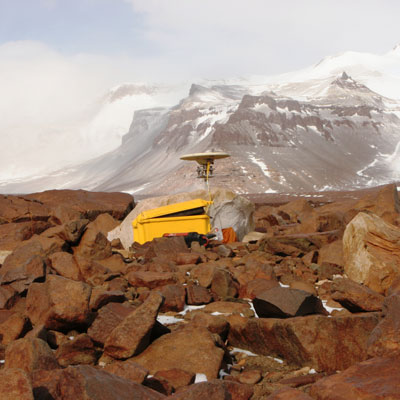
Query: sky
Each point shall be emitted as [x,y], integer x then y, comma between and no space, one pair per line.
[58,57]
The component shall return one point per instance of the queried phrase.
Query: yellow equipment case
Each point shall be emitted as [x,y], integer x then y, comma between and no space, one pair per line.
[188,216]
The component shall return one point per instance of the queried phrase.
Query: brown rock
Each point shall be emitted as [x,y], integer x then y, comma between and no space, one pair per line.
[159,385]
[59,303]
[250,377]
[222,285]
[92,272]
[45,383]
[176,377]
[72,231]
[215,390]
[94,245]
[107,319]
[251,289]
[128,370]
[84,382]
[203,273]
[305,286]
[174,298]
[198,295]
[288,394]
[115,264]
[25,265]
[192,349]
[376,378]
[65,265]
[326,344]
[385,338]
[30,355]
[8,296]
[77,350]
[150,279]
[355,297]
[331,253]
[15,384]
[281,302]
[131,336]
[187,258]
[88,204]
[371,250]
[100,297]
[214,323]
[12,327]
[228,308]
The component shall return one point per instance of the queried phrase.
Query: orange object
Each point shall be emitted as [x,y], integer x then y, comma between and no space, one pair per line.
[229,235]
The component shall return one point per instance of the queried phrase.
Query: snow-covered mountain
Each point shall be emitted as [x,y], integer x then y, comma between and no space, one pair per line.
[335,125]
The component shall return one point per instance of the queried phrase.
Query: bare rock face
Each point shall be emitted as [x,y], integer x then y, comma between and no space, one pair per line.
[84,382]
[30,355]
[197,295]
[281,302]
[132,335]
[326,344]
[356,297]
[150,279]
[288,394]
[371,249]
[77,350]
[376,378]
[59,303]
[15,384]
[384,340]
[65,265]
[12,326]
[191,349]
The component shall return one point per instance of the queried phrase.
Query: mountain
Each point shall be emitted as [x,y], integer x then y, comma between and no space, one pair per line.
[333,126]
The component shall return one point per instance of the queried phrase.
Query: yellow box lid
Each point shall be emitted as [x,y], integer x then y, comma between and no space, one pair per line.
[172,208]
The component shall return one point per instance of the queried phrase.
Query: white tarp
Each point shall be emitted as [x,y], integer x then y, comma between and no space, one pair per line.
[228,210]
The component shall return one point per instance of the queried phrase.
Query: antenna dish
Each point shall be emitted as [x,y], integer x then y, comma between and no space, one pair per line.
[204,158]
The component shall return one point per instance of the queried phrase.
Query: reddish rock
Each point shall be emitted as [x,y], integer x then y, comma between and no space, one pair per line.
[59,303]
[64,264]
[115,264]
[281,302]
[15,384]
[174,298]
[356,297]
[214,323]
[132,335]
[77,350]
[8,296]
[30,355]
[88,204]
[107,319]
[12,234]
[45,383]
[92,272]
[222,285]
[12,327]
[192,349]
[215,390]
[228,308]
[72,231]
[331,253]
[251,289]
[288,394]
[169,248]
[100,297]
[25,265]
[304,286]
[128,370]
[176,377]
[376,378]
[385,338]
[326,344]
[94,245]
[150,279]
[198,295]
[250,377]
[203,273]
[287,246]
[187,258]
[159,384]
[84,382]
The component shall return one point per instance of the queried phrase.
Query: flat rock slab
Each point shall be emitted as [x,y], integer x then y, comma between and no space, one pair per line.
[15,384]
[324,343]
[191,349]
[132,335]
[282,302]
[376,378]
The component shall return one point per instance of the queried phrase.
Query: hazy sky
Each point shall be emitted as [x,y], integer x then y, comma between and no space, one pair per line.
[58,56]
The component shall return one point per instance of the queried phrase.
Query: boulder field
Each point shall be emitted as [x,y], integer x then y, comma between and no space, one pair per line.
[305,307]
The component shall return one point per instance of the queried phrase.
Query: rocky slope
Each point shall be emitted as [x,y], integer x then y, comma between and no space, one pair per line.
[293,312]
